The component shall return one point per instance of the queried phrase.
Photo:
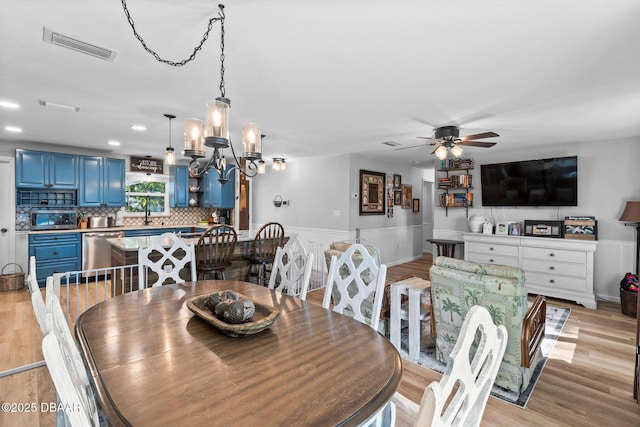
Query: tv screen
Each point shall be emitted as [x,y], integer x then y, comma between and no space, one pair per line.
[545,182]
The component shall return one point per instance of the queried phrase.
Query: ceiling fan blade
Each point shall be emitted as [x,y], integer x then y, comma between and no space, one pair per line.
[476,143]
[429,138]
[413,146]
[479,136]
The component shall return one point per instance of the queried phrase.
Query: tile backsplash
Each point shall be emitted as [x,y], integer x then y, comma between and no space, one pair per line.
[179,216]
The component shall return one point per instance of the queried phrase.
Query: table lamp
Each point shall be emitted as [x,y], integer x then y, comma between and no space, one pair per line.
[631,214]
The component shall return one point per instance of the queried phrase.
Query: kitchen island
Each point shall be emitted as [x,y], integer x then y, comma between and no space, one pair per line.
[124,251]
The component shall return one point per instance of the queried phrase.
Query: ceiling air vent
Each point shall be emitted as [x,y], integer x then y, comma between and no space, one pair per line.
[391,143]
[50,36]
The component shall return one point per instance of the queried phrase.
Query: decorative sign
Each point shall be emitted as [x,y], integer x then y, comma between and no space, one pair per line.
[146,165]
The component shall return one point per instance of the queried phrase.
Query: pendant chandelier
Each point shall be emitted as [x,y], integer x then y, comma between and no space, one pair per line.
[213,132]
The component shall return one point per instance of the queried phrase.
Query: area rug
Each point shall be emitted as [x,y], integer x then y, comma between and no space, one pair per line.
[556,319]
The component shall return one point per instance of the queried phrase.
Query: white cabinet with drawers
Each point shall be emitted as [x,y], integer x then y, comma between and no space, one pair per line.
[558,268]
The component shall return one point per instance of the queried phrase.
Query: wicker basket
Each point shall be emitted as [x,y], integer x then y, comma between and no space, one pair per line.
[12,281]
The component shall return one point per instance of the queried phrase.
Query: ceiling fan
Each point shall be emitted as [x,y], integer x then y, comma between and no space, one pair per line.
[447,138]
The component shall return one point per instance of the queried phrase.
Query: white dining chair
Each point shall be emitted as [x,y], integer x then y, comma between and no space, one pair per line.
[356,290]
[161,257]
[460,397]
[292,269]
[37,301]
[66,367]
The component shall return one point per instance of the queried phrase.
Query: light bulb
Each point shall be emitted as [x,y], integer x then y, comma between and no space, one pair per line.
[456,151]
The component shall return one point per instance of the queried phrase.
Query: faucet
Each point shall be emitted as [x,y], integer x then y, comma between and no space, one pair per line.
[147,213]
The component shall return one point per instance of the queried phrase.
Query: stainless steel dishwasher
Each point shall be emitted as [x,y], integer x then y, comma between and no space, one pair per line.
[96,250]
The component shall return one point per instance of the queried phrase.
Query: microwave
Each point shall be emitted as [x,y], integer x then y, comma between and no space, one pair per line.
[53,219]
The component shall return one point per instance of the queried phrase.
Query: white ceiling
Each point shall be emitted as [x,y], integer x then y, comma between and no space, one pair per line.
[327,77]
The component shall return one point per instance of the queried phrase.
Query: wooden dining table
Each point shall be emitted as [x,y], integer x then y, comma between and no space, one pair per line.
[153,362]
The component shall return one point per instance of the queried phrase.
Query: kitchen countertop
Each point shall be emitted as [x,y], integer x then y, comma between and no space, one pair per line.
[134,243]
[123,228]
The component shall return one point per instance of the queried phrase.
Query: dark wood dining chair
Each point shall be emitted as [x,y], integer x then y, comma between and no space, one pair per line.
[263,251]
[214,250]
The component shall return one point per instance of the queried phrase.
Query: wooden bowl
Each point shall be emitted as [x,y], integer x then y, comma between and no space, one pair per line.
[263,317]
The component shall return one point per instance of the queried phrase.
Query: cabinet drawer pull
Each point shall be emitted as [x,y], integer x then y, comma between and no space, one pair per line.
[552,254]
[55,252]
[490,260]
[552,281]
[491,248]
[552,268]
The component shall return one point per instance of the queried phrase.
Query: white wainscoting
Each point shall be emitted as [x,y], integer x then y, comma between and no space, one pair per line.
[613,258]
[397,244]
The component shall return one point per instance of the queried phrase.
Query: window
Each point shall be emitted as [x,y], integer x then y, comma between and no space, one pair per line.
[147,192]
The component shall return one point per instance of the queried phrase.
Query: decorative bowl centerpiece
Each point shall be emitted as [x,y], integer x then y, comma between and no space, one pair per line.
[232,313]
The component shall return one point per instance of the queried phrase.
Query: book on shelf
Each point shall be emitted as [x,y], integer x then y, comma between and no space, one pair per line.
[446,164]
[457,181]
[456,199]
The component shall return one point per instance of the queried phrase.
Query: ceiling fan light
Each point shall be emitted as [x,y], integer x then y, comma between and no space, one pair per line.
[441,152]
[262,167]
[456,150]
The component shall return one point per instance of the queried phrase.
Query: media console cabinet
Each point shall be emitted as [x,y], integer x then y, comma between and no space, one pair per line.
[559,268]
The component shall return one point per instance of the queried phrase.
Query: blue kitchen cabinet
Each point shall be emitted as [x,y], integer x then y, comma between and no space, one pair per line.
[41,169]
[101,181]
[216,195]
[180,187]
[55,253]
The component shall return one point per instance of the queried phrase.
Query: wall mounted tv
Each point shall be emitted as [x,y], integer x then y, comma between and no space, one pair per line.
[544,182]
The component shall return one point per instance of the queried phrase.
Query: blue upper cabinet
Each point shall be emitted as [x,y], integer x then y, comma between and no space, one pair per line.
[180,187]
[40,169]
[101,181]
[114,182]
[216,195]
[228,196]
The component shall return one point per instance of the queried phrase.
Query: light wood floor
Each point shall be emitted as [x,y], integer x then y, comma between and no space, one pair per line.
[587,381]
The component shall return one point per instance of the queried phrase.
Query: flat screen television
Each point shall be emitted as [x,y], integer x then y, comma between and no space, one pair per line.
[543,182]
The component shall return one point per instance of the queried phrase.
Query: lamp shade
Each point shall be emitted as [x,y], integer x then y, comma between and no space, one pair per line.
[631,212]
[456,151]
[441,152]
[216,123]
[251,141]
[170,156]
[193,138]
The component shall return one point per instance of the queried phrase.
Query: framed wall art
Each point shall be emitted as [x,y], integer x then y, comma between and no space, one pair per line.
[372,192]
[416,205]
[407,196]
[397,181]
[397,197]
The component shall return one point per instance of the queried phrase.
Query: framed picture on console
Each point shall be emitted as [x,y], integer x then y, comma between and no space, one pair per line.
[372,192]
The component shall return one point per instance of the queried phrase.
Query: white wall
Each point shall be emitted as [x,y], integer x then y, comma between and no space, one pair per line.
[320,188]
[607,178]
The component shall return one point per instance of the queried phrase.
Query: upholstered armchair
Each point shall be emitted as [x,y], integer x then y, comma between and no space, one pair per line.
[457,285]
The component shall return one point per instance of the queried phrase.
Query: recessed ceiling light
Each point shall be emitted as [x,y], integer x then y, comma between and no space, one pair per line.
[9,105]
[13,129]
[114,143]
[139,128]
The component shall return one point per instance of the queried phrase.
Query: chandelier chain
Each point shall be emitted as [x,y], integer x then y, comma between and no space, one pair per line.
[169,62]
[222,90]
